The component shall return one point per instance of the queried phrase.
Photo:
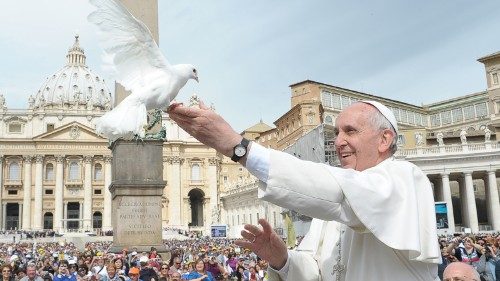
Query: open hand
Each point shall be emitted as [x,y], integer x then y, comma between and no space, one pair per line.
[266,243]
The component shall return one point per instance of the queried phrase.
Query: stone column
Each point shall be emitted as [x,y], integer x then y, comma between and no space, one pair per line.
[20,215]
[2,211]
[212,187]
[27,193]
[59,192]
[446,192]
[186,214]
[65,215]
[37,207]
[175,190]
[492,203]
[87,193]
[471,203]
[4,215]
[106,216]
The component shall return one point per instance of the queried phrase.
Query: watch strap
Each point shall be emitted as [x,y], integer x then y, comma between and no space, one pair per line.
[244,142]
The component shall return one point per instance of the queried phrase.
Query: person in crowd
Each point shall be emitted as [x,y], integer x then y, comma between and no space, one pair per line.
[241,273]
[486,265]
[215,268]
[372,194]
[111,273]
[460,271]
[199,273]
[21,273]
[176,266]
[31,274]
[83,272]
[63,272]
[147,273]
[73,267]
[7,273]
[176,276]
[121,267]
[232,263]
[465,250]
[252,274]
[134,274]
[164,272]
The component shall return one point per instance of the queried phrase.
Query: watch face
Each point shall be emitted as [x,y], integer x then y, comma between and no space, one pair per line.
[240,151]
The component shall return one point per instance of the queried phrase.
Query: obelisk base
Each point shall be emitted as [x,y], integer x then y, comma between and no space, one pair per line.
[136,191]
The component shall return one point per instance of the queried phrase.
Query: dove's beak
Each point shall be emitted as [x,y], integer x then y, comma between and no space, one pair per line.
[196,78]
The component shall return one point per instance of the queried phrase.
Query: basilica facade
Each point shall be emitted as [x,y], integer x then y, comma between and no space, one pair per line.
[55,170]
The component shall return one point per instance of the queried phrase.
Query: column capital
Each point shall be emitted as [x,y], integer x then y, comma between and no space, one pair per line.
[490,172]
[174,160]
[39,158]
[88,159]
[213,161]
[108,159]
[466,172]
[27,159]
[1,158]
[444,174]
[59,158]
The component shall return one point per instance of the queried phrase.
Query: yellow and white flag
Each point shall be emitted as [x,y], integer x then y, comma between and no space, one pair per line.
[291,239]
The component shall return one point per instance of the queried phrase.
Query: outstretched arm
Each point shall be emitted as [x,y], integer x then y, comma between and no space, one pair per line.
[206,126]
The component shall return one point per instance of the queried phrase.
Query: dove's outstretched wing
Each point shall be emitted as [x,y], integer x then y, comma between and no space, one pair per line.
[129,43]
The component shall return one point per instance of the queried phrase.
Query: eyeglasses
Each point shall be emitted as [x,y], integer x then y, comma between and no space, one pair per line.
[63,265]
[177,263]
[164,267]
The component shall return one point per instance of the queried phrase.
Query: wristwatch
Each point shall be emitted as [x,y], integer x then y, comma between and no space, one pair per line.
[240,150]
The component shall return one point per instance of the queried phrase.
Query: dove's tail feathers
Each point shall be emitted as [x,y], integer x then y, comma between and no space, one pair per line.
[125,121]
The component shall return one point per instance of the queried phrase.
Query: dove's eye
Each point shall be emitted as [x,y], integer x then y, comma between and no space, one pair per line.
[194,71]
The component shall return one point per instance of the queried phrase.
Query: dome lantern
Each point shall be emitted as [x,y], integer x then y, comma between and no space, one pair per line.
[76,55]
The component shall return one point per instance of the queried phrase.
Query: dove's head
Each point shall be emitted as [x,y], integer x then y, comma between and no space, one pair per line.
[188,70]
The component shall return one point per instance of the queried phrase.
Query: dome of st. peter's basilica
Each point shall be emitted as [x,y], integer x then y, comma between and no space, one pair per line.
[74,87]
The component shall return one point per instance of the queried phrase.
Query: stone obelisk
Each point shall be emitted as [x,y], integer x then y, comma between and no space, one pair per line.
[147,12]
[137,170]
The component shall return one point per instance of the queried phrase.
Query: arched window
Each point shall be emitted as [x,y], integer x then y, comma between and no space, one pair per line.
[195,172]
[49,172]
[74,171]
[97,172]
[14,171]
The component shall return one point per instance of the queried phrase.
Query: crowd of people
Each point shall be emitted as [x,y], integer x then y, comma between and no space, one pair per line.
[193,259]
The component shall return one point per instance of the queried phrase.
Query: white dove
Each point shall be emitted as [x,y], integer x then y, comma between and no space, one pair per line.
[139,66]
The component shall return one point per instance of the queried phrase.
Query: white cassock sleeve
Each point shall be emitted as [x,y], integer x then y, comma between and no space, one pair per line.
[392,200]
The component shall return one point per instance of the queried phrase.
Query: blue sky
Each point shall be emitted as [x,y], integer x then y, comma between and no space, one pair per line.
[249,52]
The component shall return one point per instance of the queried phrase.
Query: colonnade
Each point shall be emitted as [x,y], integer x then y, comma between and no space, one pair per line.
[33,206]
[467,196]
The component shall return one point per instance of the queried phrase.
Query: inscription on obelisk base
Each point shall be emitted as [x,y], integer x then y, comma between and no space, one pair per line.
[136,189]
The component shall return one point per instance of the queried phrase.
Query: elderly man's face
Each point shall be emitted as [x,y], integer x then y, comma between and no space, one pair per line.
[358,144]
[31,272]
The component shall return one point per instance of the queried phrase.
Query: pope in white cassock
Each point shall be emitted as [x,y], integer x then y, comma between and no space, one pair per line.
[385,207]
